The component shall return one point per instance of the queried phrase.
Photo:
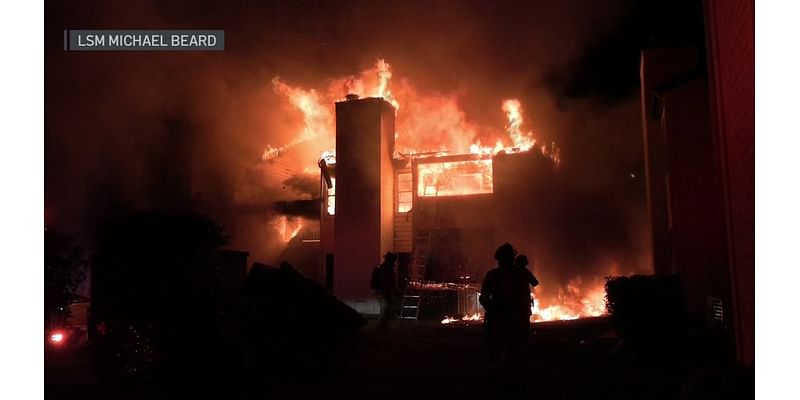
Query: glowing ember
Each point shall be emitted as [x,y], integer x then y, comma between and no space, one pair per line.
[473,317]
[466,318]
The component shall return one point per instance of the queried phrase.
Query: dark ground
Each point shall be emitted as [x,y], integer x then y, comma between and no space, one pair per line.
[570,359]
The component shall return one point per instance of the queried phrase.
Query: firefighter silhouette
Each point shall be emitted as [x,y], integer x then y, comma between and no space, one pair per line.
[506,297]
[384,283]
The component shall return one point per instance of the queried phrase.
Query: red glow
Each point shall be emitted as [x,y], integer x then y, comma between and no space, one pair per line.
[57,337]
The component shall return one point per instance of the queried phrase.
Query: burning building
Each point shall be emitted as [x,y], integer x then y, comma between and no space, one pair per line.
[443,213]
[405,170]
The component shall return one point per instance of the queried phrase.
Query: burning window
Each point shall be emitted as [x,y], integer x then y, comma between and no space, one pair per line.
[405,195]
[453,178]
[331,198]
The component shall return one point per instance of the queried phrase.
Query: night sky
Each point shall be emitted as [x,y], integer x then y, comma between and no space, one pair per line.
[111,117]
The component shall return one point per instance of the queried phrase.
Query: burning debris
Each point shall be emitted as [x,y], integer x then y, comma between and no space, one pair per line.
[466,318]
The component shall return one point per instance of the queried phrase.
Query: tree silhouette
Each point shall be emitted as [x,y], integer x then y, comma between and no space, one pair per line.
[64,271]
[156,291]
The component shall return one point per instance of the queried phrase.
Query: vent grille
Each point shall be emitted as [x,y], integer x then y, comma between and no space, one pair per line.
[716,312]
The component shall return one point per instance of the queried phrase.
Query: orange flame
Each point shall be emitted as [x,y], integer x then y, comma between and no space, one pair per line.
[317,116]
[575,300]
[579,298]
[465,318]
[384,76]
[288,228]
[455,178]
[513,110]
[430,122]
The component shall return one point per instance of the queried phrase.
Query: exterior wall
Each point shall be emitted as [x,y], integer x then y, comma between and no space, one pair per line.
[731,68]
[327,244]
[364,196]
[464,237]
[522,191]
[462,241]
[403,221]
[387,185]
[683,182]
[695,202]
[699,157]
[657,68]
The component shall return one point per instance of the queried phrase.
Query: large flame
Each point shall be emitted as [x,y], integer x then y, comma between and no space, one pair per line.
[429,122]
[513,110]
[384,76]
[318,120]
[579,298]
[575,300]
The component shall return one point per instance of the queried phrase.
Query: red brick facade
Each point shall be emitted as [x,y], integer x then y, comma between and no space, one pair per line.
[731,67]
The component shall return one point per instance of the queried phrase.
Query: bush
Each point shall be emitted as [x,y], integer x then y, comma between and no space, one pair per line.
[646,308]
[156,296]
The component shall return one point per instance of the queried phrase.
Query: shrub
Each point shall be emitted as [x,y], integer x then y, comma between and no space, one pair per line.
[646,307]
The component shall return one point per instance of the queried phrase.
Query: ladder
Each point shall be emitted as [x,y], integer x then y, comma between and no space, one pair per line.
[423,239]
[412,297]
[411,301]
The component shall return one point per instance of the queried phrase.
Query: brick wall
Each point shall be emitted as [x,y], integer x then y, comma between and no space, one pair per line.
[731,67]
